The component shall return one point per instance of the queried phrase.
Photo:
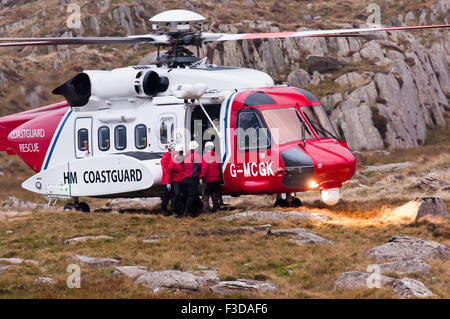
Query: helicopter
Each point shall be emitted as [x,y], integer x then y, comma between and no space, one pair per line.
[107,138]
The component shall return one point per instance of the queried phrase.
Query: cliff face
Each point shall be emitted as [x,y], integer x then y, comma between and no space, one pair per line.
[381,91]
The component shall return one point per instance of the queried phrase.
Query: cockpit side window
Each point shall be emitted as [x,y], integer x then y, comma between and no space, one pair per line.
[252,134]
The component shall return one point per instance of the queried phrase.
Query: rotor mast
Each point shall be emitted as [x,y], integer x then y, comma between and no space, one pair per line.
[184,28]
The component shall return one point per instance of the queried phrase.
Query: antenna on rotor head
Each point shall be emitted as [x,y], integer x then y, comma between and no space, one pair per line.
[184,28]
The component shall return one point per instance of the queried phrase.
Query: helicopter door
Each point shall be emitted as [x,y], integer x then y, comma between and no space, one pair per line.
[83,137]
[169,122]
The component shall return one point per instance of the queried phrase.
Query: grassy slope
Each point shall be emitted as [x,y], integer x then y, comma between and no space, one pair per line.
[300,271]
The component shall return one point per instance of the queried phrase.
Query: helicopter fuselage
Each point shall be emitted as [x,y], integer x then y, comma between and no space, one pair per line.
[271,139]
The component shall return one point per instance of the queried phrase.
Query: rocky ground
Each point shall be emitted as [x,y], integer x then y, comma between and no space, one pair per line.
[389,237]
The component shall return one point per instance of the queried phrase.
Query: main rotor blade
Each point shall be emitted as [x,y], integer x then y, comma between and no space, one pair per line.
[150,39]
[217,37]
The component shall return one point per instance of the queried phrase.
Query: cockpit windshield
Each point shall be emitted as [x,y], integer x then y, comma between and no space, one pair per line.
[286,125]
[318,119]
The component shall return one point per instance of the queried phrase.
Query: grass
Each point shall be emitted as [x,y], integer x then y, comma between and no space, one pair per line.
[300,271]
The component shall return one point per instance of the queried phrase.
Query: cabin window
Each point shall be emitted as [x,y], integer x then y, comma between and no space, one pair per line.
[167,129]
[83,139]
[251,132]
[140,136]
[120,137]
[286,125]
[104,139]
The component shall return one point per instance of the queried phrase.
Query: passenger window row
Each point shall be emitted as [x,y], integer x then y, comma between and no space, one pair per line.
[120,138]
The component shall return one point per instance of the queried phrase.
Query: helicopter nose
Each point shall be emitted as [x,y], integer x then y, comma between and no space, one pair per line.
[335,164]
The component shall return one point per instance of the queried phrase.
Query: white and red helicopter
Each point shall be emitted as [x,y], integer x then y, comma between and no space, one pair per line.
[107,138]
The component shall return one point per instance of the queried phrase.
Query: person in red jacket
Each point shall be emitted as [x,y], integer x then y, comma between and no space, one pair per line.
[192,167]
[211,176]
[176,173]
[165,180]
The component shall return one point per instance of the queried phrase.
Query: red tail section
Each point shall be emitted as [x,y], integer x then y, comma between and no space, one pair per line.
[28,134]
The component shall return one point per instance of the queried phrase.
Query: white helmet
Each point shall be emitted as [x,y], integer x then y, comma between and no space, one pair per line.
[209,144]
[171,146]
[179,148]
[193,145]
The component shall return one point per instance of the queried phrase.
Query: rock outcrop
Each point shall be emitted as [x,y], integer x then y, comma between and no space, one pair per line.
[396,90]
[97,262]
[176,280]
[85,238]
[130,271]
[407,246]
[407,288]
[243,286]
[401,266]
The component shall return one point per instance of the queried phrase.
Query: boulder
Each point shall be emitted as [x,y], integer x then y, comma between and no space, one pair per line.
[407,288]
[433,184]
[412,211]
[352,78]
[243,286]
[15,203]
[407,265]
[176,280]
[85,238]
[149,58]
[431,207]
[309,238]
[386,167]
[372,50]
[18,261]
[44,281]
[276,216]
[4,269]
[401,246]
[130,271]
[299,78]
[119,203]
[263,229]
[154,239]
[323,64]
[358,279]
[96,261]
[330,101]
[300,236]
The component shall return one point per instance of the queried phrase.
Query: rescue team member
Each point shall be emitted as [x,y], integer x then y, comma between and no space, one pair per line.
[210,175]
[165,181]
[176,173]
[192,168]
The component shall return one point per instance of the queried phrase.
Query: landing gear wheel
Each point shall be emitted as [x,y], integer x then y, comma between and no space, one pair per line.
[69,206]
[296,202]
[281,203]
[82,207]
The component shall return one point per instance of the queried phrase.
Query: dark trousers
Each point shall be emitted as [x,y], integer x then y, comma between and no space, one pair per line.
[177,188]
[165,199]
[190,186]
[212,189]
